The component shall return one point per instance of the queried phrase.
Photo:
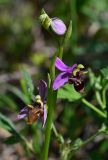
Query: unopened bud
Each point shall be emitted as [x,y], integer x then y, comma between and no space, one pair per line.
[58,26]
[45,20]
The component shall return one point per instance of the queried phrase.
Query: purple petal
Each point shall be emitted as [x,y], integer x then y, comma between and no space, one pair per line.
[44,116]
[23,113]
[42,89]
[70,69]
[21,116]
[60,65]
[58,26]
[25,109]
[60,80]
[63,67]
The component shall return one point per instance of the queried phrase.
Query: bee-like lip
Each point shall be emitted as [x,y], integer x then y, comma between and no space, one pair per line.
[74,80]
[38,104]
[79,87]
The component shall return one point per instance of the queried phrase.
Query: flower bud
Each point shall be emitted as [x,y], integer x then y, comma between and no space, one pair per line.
[58,26]
[45,20]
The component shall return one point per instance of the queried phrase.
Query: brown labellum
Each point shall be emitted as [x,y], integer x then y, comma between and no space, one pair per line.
[34,114]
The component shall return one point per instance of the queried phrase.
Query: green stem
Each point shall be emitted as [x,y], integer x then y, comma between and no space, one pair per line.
[84,143]
[101,130]
[58,136]
[90,139]
[51,102]
[54,130]
[52,68]
[48,125]
[26,142]
[91,106]
[60,52]
[104,96]
[99,99]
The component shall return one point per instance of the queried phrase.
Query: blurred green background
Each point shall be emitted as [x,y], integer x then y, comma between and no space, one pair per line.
[24,43]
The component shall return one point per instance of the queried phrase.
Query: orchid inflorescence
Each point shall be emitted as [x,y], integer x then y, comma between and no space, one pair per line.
[72,75]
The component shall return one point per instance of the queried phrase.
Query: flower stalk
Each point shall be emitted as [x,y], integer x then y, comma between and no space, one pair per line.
[51,103]
[99,99]
[104,96]
[91,106]
[70,149]
[59,28]
[90,139]
[59,136]
[48,125]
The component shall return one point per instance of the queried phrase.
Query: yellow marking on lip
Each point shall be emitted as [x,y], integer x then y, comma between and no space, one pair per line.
[38,97]
[75,71]
[30,106]
[40,102]
[80,66]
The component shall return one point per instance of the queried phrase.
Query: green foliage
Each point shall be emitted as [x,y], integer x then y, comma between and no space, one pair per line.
[8,102]
[94,9]
[104,72]
[12,140]
[27,85]
[7,124]
[68,92]
[23,41]
[18,93]
[16,22]
[68,34]
[95,81]
[39,58]
[77,144]
[26,94]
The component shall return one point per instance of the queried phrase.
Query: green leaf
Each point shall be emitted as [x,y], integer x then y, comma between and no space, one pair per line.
[68,34]
[18,93]
[104,72]
[7,101]
[77,144]
[12,139]
[7,124]
[68,92]
[28,83]
[95,81]
[92,77]
[98,85]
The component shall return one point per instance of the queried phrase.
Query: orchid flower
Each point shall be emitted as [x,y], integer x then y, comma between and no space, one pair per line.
[73,75]
[38,108]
